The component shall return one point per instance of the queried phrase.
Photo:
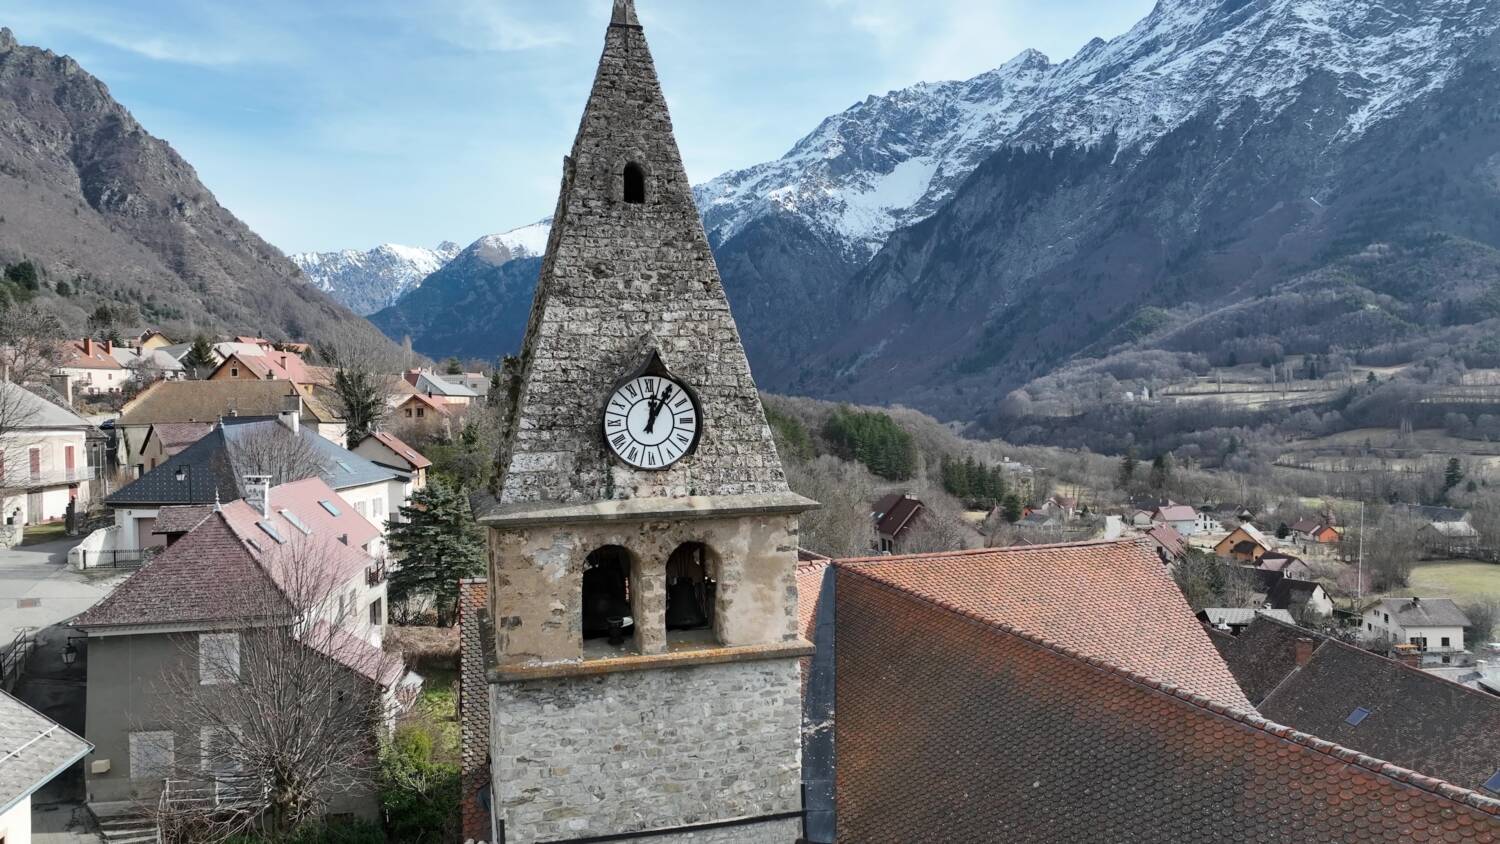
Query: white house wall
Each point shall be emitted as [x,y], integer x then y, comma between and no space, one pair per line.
[15,824]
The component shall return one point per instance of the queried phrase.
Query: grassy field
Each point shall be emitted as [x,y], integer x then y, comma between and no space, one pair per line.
[1461,580]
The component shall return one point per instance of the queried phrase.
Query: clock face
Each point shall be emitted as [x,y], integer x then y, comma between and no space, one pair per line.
[651,422]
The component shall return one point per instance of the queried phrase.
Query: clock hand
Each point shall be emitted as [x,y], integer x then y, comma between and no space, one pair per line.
[656,410]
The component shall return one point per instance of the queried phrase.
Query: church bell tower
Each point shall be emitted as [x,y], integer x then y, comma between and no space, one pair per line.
[642,539]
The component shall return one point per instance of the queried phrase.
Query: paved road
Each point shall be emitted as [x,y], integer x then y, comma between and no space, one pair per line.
[38,590]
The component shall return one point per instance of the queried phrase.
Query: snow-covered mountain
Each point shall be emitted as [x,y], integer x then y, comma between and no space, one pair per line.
[892,161]
[366,281]
[968,237]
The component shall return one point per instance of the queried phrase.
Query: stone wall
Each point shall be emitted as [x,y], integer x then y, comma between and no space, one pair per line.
[10,535]
[536,582]
[783,831]
[648,750]
[620,280]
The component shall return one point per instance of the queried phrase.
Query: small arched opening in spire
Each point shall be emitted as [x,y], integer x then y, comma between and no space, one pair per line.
[635,184]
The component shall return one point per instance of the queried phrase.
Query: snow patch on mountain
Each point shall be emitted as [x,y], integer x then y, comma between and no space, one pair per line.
[366,281]
[892,161]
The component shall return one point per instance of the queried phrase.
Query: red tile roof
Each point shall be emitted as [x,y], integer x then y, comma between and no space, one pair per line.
[402,450]
[1176,513]
[325,546]
[356,654]
[86,354]
[474,707]
[951,727]
[1109,600]
[1168,538]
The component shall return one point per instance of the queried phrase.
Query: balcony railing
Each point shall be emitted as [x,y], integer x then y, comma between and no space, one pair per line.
[23,479]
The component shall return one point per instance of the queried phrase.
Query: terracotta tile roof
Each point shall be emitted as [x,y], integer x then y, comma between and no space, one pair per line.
[1168,538]
[1110,600]
[207,401]
[952,728]
[356,654]
[86,354]
[229,563]
[810,577]
[1416,719]
[475,658]
[1176,513]
[402,450]
[273,366]
[181,519]
[206,577]
[175,436]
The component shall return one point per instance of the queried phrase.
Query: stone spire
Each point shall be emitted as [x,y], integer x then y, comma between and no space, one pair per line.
[628,273]
[624,14]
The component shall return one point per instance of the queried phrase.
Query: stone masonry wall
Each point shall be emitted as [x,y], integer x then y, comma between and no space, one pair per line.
[783,831]
[620,280]
[536,582]
[647,750]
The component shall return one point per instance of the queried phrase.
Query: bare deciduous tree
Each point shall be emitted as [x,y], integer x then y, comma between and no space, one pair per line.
[842,527]
[283,708]
[274,451]
[367,377]
[30,343]
[17,409]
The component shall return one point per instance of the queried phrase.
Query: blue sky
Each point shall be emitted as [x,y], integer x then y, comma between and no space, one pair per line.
[338,124]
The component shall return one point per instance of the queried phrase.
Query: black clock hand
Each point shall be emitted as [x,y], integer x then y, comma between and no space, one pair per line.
[656,410]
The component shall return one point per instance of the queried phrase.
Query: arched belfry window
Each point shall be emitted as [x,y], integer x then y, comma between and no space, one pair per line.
[692,588]
[607,595]
[635,184]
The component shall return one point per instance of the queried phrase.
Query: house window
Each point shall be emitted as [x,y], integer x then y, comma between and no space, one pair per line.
[377,612]
[151,755]
[421,412]
[408,413]
[218,658]
[635,184]
[216,750]
[1387,618]
[234,372]
[1447,641]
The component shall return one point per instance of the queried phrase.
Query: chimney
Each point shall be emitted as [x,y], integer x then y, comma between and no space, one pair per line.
[109,346]
[258,494]
[1407,655]
[291,413]
[1304,651]
[63,384]
[88,347]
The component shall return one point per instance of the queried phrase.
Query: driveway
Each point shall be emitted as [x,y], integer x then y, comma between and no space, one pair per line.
[37,589]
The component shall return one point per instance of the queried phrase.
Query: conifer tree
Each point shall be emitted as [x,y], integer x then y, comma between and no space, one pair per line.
[1454,475]
[1161,472]
[1127,469]
[438,544]
[200,355]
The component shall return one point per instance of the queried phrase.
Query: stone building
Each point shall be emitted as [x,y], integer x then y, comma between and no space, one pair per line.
[642,587]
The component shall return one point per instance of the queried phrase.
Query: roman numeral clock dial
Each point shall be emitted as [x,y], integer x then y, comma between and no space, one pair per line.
[651,422]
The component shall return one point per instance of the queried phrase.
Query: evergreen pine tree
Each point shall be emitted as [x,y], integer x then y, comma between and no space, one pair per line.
[1161,472]
[200,355]
[438,544]
[1013,509]
[1454,475]
[1127,469]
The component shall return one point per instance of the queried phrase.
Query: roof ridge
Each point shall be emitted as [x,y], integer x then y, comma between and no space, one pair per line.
[974,552]
[1251,719]
[1413,670]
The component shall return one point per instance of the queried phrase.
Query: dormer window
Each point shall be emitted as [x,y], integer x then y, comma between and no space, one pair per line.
[635,184]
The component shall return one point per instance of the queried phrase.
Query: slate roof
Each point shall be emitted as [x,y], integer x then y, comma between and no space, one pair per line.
[1263,654]
[1426,612]
[1109,600]
[894,513]
[33,750]
[1237,615]
[951,727]
[210,476]
[1289,592]
[34,412]
[1417,720]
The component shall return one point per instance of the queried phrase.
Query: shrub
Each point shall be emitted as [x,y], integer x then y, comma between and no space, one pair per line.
[420,794]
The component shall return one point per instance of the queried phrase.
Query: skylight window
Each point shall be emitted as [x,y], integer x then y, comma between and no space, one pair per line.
[331,508]
[296,522]
[272,531]
[1493,783]
[1358,715]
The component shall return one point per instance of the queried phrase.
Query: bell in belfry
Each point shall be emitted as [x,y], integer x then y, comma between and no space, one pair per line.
[684,608]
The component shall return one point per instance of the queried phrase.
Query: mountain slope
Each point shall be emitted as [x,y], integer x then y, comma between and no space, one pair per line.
[965,238]
[476,305]
[101,204]
[368,281]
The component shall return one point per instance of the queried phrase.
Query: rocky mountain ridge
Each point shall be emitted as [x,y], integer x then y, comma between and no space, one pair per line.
[122,221]
[367,281]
